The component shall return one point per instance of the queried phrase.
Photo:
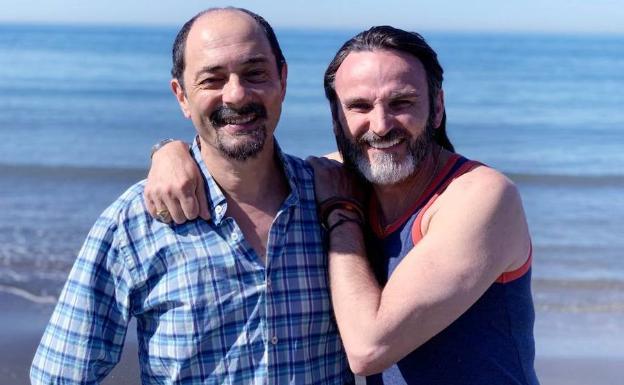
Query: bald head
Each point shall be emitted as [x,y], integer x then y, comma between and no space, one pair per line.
[218,23]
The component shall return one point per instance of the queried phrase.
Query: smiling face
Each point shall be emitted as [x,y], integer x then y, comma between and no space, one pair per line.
[232,91]
[383,109]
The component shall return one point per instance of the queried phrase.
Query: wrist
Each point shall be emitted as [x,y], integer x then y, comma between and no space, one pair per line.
[347,206]
[156,147]
[339,213]
[340,217]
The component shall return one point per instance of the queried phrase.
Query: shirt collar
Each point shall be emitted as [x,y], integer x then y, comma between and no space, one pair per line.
[217,204]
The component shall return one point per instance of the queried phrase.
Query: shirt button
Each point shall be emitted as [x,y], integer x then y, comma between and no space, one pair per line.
[234,236]
[218,209]
[268,281]
[274,340]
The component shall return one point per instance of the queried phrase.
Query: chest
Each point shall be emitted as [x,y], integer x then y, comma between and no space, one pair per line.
[255,225]
[201,297]
[209,276]
[391,250]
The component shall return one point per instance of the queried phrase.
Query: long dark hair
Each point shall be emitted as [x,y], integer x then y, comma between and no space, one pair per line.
[390,38]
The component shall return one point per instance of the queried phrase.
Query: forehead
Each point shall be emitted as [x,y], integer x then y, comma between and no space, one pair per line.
[379,72]
[226,38]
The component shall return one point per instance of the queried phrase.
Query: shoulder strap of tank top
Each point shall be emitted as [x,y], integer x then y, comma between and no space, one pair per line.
[448,170]
[463,167]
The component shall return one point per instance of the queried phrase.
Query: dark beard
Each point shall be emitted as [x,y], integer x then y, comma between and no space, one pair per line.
[251,142]
[250,148]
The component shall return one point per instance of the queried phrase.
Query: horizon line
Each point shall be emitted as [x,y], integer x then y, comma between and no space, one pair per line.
[319,28]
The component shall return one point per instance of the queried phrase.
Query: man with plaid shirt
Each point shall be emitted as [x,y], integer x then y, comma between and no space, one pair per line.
[238,297]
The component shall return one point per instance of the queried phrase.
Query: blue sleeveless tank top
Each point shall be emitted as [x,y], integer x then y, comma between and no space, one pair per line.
[491,343]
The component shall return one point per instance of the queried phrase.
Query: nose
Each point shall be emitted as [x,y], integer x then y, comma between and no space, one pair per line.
[234,92]
[380,121]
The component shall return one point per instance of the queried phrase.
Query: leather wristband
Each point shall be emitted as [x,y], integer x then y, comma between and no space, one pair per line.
[327,206]
[344,219]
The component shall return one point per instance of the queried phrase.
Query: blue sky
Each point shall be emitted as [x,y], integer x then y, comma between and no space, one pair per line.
[562,16]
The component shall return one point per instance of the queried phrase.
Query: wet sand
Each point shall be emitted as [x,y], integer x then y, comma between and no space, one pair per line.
[22,323]
[21,327]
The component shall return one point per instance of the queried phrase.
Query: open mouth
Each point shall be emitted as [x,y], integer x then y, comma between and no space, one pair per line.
[384,144]
[240,119]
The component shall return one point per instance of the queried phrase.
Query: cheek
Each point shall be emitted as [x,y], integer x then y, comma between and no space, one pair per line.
[353,125]
[202,103]
[413,122]
[271,100]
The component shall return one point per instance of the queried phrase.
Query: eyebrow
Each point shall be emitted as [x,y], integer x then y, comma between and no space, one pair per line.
[217,68]
[393,95]
[356,100]
[405,94]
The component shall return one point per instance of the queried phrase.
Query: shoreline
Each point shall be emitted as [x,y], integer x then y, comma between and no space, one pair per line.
[21,327]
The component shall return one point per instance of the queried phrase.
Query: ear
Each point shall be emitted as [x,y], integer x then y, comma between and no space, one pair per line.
[438,109]
[178,91]
[284,75]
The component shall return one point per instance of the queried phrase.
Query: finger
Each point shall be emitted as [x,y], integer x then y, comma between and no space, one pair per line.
[323,161]
[161,214]
[318,164]
[152,201]
[202,198]
[311,159]
[334,156]
[333,162]
[149,204]
[174,207]
[190,207]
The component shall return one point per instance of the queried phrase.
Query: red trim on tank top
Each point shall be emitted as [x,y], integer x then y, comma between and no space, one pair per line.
[373,215]
[509,276]
[417,235]
[416,227]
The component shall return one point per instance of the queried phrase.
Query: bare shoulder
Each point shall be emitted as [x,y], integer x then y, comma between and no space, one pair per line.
[487,207]
[487,193]
[480,190]
[480,187]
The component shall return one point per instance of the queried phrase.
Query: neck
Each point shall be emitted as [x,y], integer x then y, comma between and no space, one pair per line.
[396,198]
[255,189]
[255,181]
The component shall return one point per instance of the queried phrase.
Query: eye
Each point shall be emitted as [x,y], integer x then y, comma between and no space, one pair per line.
[211,82]
[401,103]
[359,106]
[256,75]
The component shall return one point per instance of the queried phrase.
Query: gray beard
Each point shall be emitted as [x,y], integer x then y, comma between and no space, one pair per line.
[384,169]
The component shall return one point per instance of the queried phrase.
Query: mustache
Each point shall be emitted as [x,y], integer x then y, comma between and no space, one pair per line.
[370,137]
[221,115]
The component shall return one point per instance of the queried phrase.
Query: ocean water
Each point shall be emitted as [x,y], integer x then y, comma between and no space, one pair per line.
[81,106]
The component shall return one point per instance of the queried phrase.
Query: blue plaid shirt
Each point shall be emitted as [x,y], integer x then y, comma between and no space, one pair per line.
[208,310]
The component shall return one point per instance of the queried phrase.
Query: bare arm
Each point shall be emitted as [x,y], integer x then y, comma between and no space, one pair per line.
[475,233]
[175,183]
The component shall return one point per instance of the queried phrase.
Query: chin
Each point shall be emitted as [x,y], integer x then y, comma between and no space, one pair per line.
[386,172]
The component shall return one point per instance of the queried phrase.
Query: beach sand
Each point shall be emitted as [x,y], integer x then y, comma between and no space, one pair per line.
[21,327]
[22,323]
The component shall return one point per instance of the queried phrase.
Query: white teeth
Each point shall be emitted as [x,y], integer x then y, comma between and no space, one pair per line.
[384,144]
[240,119]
